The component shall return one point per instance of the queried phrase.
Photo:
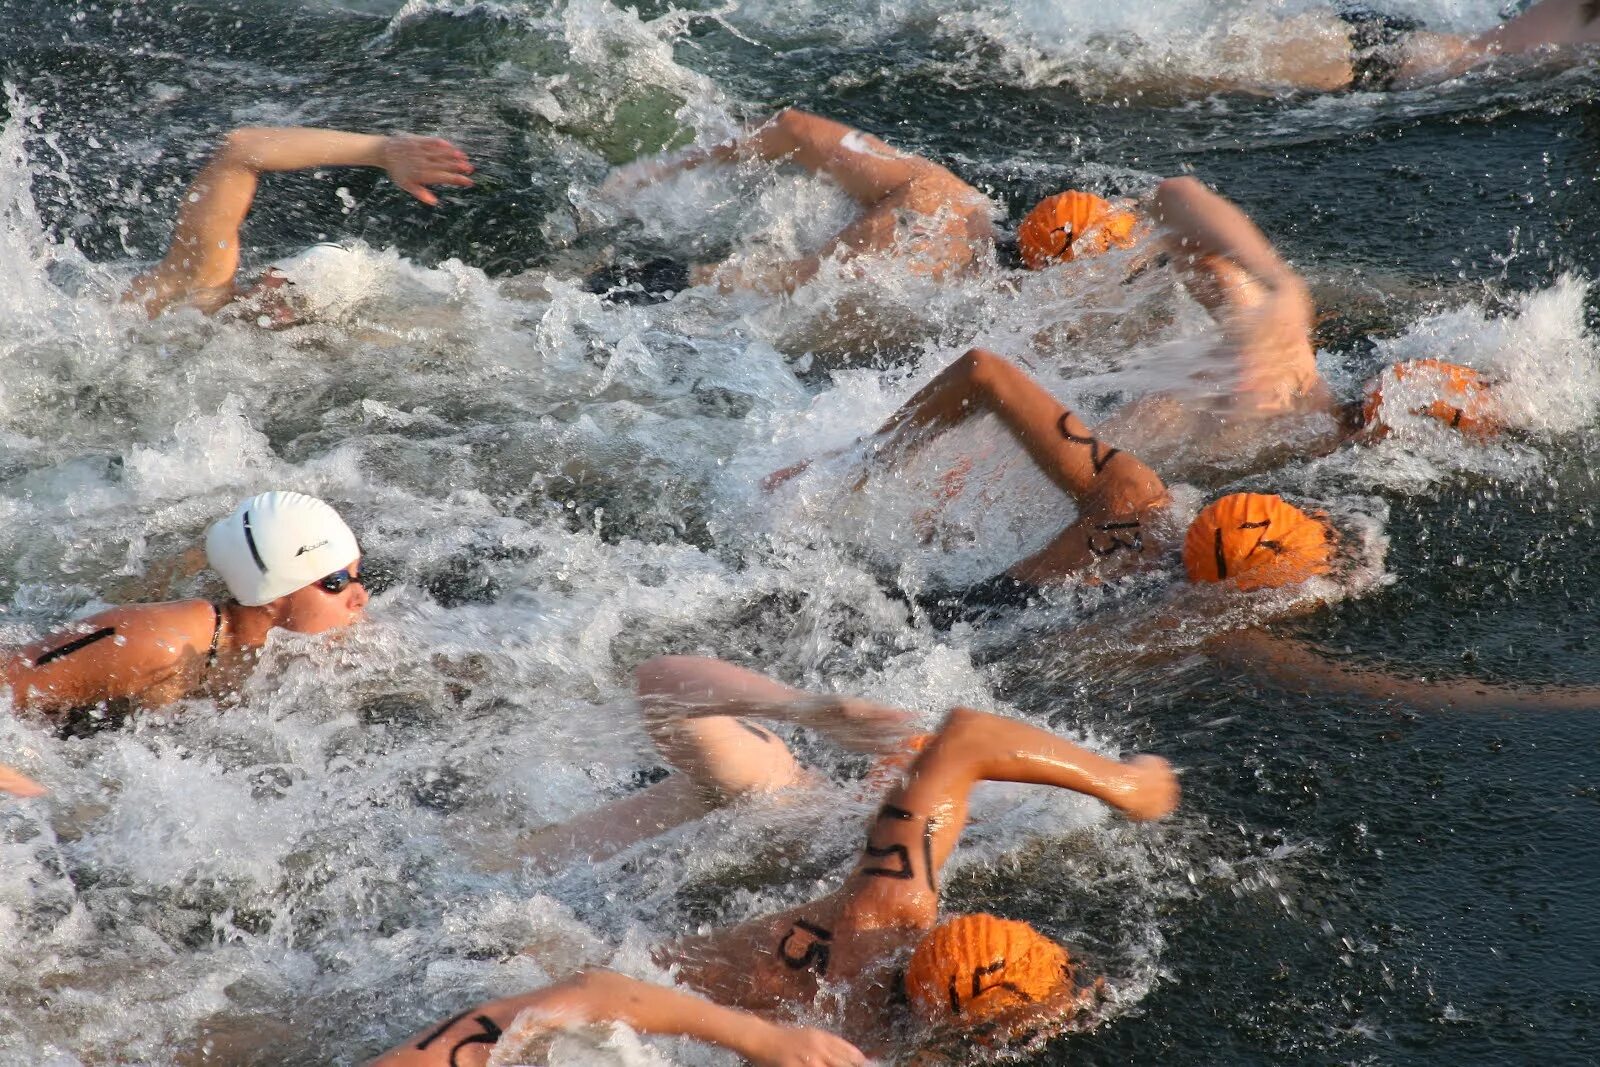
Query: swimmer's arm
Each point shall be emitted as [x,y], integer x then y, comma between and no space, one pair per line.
[865,167]
[205,245]
[921,822]
[1065,449]
[110,655]
[1202,225]
[19,785]
[673,688]
[603,996]
[1296,667]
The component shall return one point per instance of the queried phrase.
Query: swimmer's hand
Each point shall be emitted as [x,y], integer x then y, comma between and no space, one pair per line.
[779,477]
[1148,791]
[863,726]
[414,163]
[19,785]
[803,1046]
[628,179]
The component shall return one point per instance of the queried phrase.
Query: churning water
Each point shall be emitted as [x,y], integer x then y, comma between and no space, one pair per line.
[553,488]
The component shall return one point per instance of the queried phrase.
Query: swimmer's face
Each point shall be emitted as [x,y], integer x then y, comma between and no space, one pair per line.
[334,601]
[271,303]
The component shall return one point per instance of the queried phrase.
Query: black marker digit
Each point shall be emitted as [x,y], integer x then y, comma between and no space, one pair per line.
[489,1033]
[1096,458]
[1276,547]
[758,731]
[1116,543]
[899,852]
[815,956]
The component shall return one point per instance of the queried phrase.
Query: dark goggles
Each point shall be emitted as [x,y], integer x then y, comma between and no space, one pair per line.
[338,581]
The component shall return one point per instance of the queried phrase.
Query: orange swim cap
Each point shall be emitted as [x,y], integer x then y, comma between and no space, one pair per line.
[1464,400]
[1072,224]
[1258,540]
[975,967]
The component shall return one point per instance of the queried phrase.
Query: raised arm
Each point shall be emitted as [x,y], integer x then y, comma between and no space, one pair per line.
[896,880]
[1296,667]
[862,165]
[1203,224]
[200,264]
[1112,488]
[604,996]
[1261,304]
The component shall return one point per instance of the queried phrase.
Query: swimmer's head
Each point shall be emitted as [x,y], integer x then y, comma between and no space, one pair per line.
[1072,224]
[1457,396]
[975,968]
[1257,541]
[292,551]
[302,286]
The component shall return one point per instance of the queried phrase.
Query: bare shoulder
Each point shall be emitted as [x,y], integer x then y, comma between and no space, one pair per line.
[153,635]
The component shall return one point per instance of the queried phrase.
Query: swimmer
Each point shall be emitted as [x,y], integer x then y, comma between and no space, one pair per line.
[1259,380]
[1354,47]
[1254,540]
[199,267]
[19,785]
[880,935]
[288,560]
[948,222]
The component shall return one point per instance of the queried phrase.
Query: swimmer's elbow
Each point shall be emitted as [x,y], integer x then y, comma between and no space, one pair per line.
[1183,184]
[961,726]
[241,146]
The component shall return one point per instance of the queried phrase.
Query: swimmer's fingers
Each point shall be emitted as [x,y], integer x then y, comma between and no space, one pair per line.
[19,785]
[415,163]
[804,1046]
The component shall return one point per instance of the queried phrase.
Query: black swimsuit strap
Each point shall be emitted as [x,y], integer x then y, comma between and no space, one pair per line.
[216,636]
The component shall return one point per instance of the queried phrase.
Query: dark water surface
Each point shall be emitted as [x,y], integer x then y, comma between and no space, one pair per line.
[1348,882]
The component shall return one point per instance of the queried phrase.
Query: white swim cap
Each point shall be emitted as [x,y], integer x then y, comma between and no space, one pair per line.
[276,543]
[323,275]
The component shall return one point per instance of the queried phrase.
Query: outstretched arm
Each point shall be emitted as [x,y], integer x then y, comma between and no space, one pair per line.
[673,689]
[913,834]
[863,166]
[1294,666]
[200,264]
[880,178]
[604,996]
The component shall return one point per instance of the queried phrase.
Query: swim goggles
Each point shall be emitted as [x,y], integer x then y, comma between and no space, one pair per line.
[338,581]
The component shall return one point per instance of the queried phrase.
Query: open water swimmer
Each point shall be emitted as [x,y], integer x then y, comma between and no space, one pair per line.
[289,562]
[1362,47]
[200,265]
[874,958]
[908,204]
[1253,424]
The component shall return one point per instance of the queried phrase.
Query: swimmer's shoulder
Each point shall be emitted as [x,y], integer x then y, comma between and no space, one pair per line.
[120,652]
